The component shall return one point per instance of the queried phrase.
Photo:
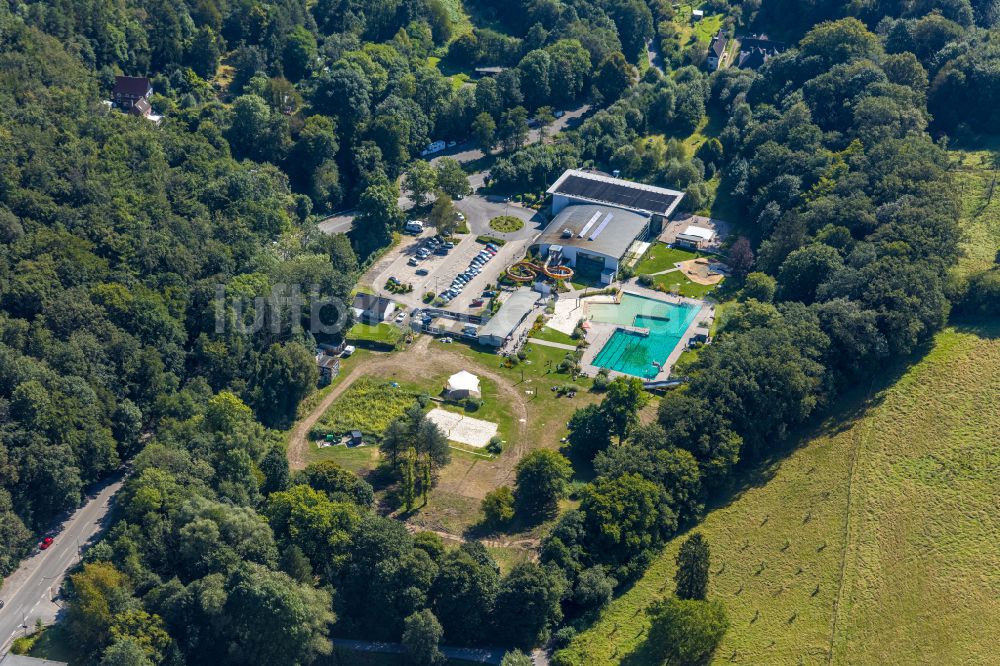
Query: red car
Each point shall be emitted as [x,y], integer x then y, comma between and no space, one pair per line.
[477,303]
[46,542]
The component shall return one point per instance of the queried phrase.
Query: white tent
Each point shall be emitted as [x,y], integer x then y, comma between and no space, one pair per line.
[463,385]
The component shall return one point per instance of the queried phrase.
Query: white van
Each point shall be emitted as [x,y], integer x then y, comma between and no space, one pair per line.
[435,147]
[414,226]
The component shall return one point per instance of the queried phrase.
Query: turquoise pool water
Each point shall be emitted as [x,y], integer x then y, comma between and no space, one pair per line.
[634,353]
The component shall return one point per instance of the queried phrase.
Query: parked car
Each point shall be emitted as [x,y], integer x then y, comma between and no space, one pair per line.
[413,261]
[400,317]
[348,350]
[447,340]
[46,542]
[460,216]
[442,250]
[422,271]
[449,244]
[477,303]
[559,114]
[489,294]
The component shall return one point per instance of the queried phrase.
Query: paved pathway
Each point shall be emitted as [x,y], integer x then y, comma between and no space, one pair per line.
[477,655]
[547,343]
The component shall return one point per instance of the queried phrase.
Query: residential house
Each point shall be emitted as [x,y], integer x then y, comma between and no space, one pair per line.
[372,309]
[717,51]
[131,94]
[756,50]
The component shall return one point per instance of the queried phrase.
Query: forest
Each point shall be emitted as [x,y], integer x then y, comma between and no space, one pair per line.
[117,234]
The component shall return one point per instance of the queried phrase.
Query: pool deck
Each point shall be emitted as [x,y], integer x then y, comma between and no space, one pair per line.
[600,332]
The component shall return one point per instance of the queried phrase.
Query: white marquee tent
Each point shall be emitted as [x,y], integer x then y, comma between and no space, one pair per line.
[463,385]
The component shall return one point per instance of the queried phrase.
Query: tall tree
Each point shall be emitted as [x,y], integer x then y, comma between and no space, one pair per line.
[421,636]
[541,482]
[419,181]
[624,399]
[484,130]
[686,631]
[693,561]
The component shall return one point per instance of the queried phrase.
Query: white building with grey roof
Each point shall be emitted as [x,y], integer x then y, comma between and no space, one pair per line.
[598,218]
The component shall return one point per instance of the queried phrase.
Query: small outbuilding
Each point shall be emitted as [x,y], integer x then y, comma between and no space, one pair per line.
[357,439]
[462,385]
[695,237]
[328,367]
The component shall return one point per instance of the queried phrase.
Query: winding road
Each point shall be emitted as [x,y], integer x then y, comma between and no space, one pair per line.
[31,592]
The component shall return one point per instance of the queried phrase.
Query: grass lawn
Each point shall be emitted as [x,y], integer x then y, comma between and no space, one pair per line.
[552,335]
[358,459]
[974,174]
[702,31]
[507,558]
[659,257]
[874,542]
[506,224]
[670,281]
[382,333]
[707,28]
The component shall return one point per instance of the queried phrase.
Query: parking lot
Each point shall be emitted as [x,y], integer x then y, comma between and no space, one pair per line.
[441,270]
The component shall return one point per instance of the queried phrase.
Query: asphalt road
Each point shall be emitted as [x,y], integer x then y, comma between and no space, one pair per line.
[31,591]
[340,223]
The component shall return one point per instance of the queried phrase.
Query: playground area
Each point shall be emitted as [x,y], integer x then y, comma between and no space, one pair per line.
[704,270]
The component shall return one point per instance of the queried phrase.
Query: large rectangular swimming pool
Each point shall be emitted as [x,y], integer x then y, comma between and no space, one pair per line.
[634,353]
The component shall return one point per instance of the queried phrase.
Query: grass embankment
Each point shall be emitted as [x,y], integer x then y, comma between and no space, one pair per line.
[975,176]
[889,560]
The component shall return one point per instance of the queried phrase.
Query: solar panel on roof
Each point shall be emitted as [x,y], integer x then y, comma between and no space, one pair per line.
[586,227]
[617,193]
[600,227]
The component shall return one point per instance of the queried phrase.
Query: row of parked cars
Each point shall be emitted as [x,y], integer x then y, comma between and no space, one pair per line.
[433,245]
[474,269]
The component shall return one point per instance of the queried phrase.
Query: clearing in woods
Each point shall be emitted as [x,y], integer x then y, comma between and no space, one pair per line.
[872,543]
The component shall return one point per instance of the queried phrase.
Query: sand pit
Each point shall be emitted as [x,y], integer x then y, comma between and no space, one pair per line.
[463,429]
[703,270]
